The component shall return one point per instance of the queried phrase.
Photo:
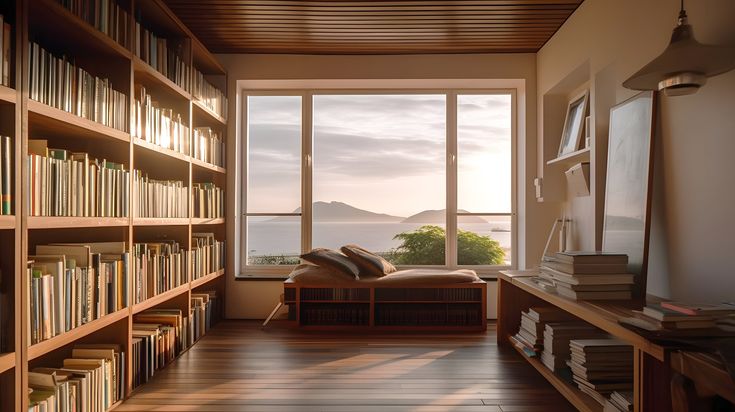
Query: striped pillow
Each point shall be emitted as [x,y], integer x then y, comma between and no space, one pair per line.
[370,264]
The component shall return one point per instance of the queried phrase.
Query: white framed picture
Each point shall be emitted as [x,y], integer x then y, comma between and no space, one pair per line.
[574,124]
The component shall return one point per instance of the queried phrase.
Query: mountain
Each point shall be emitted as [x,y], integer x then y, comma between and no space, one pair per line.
[439,217]
[340,212]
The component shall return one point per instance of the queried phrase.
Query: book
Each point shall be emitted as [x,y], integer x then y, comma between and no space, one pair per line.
[159,125]
[208,95]
[586,257]
[699,309]
[163,54]
[6,175]
[660,313]
[104,15]
[207,255]
[587,279]
[562,290]
[159,198]
[208,201]
[158,267]
[585,268]
[7,52]
[208,146]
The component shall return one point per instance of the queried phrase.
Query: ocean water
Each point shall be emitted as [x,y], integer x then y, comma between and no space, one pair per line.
[283,238]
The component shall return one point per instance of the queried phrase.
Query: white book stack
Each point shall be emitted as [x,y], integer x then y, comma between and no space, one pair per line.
[588,275]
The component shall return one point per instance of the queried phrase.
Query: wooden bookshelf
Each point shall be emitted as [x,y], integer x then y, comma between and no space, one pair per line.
[58,30]
[516,293]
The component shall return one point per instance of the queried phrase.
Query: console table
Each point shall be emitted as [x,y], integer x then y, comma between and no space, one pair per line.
[652,374]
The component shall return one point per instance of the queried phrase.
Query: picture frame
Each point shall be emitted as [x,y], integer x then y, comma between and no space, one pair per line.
[629,183]
[571,135]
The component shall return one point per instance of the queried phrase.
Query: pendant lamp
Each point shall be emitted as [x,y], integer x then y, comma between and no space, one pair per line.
[685,65]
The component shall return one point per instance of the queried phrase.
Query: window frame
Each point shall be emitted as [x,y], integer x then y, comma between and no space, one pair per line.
[451,174]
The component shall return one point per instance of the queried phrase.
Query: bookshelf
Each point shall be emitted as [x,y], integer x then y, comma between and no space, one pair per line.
[24,119]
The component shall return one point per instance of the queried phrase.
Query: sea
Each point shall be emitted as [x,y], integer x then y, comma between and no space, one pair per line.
[274,238]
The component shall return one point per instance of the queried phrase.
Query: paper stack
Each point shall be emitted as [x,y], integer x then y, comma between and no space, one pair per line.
[601,366]
[589,275]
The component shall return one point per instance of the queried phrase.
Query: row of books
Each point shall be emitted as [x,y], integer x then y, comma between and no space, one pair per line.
[601,366]
[163,55]
[209,96]
[587,275]
[58,82]
[159,335]
[681,316]
[208,146]
[330,314]
[159,198]
[458,314]
[157,268]
[73,284]
[159,125]
[337,294]
[104,15]
[6,175]
[64,183]
[428,294]
[92,380]
[208,201]
[207,255]
[6,52]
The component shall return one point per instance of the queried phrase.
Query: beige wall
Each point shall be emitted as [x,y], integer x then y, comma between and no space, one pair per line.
[254,299]
[693,219]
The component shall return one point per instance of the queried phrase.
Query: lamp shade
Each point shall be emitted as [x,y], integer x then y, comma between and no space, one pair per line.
[685,61]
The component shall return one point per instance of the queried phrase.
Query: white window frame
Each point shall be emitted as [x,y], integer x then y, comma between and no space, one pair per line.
[279,271]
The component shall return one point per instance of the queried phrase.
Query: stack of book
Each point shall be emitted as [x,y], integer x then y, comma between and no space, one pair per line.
[205,311]
[601,366]
[6,52]
[72,284]
[680,316]
[207,255]
[589,275]
[104,15]
[6,175]
[619,401]
[208,201]
[209,96]
[530,336]
[155,339]
[556,342]
[93,379]
[63,183]
[157,268]
[160,126]
[163,55]
[160,198]
[58,82]
[208,146]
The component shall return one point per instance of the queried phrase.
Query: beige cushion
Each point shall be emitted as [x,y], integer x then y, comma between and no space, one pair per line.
[370,264]
[429,277]
[316,275]
[333,260]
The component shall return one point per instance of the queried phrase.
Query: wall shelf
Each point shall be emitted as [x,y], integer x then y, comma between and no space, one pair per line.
[7,94]
[205,279]
[160,298]
[569,159]
[7,361]
[161,150]
[207,221]
[146,73]
[160,221]
[200,108]
[51,118]
[62,222]
[206,166]
[7,222]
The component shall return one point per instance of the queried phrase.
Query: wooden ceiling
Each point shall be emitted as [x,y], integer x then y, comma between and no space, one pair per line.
[373,26]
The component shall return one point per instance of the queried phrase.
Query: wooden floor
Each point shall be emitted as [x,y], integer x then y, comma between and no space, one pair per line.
[239,367]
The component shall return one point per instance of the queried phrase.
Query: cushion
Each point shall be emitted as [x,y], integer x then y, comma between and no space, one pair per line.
[333,260]
[370,264]
[316,275]
[429,277]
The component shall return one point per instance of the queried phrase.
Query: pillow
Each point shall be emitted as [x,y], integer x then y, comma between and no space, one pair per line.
[311,274]
[333,260]
[370,264]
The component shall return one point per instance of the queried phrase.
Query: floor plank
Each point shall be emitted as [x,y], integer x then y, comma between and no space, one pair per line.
[240,367]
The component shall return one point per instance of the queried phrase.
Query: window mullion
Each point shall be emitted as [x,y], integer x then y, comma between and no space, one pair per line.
[451,167]
[306,171]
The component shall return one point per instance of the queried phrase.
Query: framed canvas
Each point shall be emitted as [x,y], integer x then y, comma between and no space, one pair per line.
[574,124]
[627,222]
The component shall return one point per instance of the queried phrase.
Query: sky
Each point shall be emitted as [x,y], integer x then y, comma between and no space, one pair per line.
[383,153]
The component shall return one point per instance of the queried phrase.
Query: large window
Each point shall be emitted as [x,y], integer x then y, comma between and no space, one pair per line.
[422,178]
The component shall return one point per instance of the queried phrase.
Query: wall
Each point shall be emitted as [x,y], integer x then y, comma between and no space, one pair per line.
[254,299]
[693,221]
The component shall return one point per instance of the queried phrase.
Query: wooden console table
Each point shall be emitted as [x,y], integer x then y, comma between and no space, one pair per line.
[652,375]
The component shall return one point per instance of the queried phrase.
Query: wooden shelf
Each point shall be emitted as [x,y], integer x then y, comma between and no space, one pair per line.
[334,301]
[207,166]
[160,298]
[160,221]
[76,30]
[8,94]
[200,108]
[159,149]
[146,73]
[44,347]
[427,301]
[580,156]
[207,221]
[580,400]
[204,279]
[51,119]
[61,222]
[7,361]
[604,315]
[7,222]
